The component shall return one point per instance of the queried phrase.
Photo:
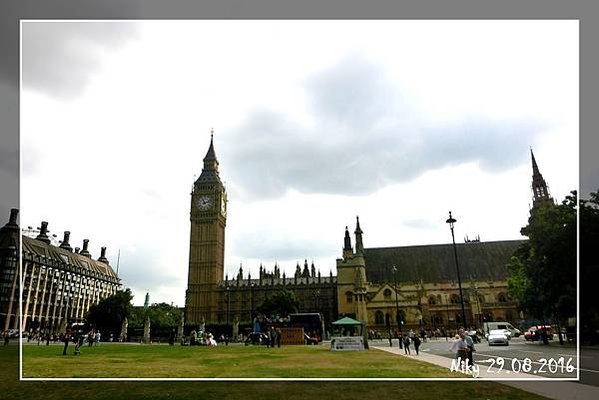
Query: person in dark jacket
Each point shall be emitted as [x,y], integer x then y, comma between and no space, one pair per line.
[416,343]
[66,338]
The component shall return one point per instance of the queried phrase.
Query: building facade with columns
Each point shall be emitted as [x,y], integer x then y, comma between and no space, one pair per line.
[59,283]
[366,286]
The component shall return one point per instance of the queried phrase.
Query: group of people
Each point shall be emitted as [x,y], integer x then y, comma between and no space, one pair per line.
[464,347]
[274,336]
[6,337]
[78,337]
[201,338]
[410,338]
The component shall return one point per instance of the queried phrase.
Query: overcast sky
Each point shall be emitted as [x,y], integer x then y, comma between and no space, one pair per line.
[314,122]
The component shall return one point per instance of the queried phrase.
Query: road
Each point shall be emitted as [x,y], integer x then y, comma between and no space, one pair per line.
[515,354]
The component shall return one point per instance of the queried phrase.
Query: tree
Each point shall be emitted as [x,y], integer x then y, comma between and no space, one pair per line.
[543,270]
[109,313]
[281,304]
[589,268]
[162,315]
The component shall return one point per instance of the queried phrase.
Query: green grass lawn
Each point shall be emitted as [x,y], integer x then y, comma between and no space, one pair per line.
[160,361]
[12,388]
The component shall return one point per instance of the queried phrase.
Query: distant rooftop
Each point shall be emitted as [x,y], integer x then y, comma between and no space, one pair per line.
[436,263]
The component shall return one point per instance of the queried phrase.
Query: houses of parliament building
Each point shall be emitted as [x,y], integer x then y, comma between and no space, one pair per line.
[367,286]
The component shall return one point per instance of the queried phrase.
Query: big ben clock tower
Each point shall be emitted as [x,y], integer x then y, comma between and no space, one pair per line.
[207,243]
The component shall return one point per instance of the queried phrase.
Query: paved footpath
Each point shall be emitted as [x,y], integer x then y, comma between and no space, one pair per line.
[562,390]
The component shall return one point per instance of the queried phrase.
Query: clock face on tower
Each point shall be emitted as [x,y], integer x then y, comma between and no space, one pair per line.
[204,203]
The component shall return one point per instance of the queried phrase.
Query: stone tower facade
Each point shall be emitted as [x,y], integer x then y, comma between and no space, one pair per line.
[540,192]
[208,214]
[352,286]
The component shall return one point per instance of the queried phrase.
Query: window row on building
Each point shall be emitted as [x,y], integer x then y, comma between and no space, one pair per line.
[59,284]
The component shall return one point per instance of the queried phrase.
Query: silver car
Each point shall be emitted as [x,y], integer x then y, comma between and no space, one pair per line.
[498,337]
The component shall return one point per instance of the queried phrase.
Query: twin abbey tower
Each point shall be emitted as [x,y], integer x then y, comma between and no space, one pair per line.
[207,242]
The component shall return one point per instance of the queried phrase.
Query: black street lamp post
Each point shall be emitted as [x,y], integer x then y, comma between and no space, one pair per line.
[228,306]
[252,300]
[447,312]
[397,315]
[452,221]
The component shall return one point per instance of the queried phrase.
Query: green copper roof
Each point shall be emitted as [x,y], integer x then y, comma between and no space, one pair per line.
[347,321]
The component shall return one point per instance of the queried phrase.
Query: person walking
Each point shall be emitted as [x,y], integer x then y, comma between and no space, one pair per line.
[406,344]
[66,338]
[416,344]
[460,347]
[470,344]
[273,336]
[279,333]
[79,342]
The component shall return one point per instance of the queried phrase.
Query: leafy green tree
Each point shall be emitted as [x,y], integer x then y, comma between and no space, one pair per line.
[281,304]
[543,270]
[162,315]
[109,313]
[589,268]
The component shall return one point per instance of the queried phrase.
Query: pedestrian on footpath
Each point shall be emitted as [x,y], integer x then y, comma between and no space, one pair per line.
[406,344]
[416,344]
[460,348]
[471,349]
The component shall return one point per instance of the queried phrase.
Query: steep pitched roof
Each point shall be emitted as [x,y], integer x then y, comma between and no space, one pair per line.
[33,248]
[436,263]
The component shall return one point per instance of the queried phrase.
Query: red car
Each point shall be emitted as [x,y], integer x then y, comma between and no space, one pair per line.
[533,333]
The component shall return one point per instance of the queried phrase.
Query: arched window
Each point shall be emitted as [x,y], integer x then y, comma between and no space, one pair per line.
[481,299]
[379,318]
[349,297]
[502,298]
[432,300]
[454,299]
[387,293]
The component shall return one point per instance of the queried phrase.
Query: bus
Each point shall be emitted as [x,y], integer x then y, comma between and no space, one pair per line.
[313,324]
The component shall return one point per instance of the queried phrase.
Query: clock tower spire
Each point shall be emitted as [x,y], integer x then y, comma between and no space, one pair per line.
[207,242]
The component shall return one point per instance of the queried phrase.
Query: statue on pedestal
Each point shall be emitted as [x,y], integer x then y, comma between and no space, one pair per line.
[146,338]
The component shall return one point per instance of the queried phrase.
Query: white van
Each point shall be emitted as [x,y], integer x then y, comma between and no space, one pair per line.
[489,326]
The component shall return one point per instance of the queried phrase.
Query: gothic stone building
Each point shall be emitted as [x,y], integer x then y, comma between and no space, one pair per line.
[365,287]
[59,284]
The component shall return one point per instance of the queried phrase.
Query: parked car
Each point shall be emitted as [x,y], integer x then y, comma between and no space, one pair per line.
[506,332]
[534,332]
[498,337]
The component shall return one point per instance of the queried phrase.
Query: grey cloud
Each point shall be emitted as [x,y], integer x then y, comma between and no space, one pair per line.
[354,93]
[141,270]
[252,245]
[59,58]
[365,137]
[420,224]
